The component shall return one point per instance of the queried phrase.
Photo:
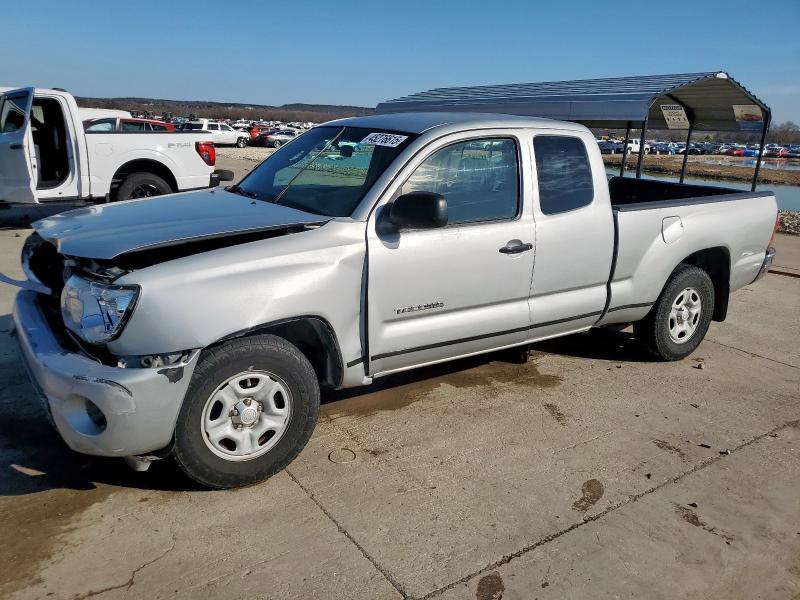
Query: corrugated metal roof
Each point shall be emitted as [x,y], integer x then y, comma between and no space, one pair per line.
[612,102]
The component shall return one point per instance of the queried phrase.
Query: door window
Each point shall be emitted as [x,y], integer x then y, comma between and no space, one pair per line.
[565,176]
[213,127]
[133,126]
[12,113]
[479,179]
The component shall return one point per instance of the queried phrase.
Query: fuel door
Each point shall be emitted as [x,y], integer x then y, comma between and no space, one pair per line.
[671,229]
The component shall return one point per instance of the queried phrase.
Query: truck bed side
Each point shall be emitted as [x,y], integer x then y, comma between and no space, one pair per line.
[111,151]
[660,224]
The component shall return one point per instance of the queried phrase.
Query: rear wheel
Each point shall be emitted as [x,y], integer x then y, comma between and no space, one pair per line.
[250,409]
[680,318]
[142,185]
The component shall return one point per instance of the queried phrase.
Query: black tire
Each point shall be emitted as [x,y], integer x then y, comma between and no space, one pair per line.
[241,142]
[276,144]
[142,185]
[654,330]
[263,352]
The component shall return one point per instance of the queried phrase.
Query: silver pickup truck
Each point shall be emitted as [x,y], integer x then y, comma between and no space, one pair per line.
[202,325]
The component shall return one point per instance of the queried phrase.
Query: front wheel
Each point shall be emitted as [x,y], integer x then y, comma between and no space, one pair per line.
[680,318]
[241,142]
[276,144]
[250,409]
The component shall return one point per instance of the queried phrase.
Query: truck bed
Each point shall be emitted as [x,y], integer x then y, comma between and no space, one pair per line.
[635,194]
[659,224]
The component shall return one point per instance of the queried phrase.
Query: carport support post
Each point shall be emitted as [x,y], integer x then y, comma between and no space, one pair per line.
[641,151]
[624,150]
[686,154]
[767,119]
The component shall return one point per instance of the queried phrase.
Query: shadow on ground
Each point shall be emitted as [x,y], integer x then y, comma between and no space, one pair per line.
[33,458]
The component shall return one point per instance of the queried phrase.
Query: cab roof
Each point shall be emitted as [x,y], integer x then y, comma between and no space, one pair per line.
[420,122]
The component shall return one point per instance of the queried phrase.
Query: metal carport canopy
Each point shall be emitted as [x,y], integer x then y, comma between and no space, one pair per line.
[708,99]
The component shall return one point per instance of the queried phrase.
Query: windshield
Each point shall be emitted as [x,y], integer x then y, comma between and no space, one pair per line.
[325,171]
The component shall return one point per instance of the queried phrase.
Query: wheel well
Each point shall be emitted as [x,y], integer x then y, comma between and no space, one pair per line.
[314,337]
[143,165]
[717,263]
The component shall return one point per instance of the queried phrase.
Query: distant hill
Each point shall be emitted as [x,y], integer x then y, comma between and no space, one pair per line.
[316,113]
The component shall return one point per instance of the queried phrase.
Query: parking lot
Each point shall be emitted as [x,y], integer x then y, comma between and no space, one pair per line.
[588,471]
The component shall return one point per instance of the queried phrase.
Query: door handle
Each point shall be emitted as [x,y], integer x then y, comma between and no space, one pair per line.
[515,247]
[15,147]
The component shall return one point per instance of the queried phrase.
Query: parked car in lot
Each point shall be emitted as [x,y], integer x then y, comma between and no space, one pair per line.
[128,125]
[222,134]
[663,148]
[276,139]
[611,146]
[692,149]
[793,152]
[47,155]
[776,152]
[201,326]
[634,146]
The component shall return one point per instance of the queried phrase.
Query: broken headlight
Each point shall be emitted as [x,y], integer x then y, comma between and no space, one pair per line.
[96,312]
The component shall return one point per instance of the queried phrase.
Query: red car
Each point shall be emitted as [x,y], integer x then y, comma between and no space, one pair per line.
[777,153]
[126,125]
[738,152]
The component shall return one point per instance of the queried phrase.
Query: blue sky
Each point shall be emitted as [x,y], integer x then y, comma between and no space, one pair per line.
[362,52]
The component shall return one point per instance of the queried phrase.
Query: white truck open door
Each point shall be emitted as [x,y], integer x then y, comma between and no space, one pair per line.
[17,160]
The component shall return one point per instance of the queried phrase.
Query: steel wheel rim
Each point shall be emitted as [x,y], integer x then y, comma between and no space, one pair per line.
[684,315]
[246,416]
[145,190]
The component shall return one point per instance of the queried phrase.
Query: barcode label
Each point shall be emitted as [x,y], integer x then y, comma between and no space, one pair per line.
[384,139]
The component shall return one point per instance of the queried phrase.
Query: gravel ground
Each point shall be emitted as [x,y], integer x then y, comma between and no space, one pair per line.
[790,222]
[251,153]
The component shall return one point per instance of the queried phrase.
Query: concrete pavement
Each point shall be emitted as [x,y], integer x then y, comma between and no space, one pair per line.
[589,471]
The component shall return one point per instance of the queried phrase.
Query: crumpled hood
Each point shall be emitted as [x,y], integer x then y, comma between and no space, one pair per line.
[106,231]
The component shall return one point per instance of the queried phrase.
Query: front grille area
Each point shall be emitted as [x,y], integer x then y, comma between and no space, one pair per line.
[45,263]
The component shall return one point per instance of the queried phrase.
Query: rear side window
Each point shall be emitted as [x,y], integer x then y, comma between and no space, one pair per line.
[102,125]
[133,126]
[565,177]
[479,178]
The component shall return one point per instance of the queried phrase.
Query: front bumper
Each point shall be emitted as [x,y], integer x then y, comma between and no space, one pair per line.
[140,405]
[768,258]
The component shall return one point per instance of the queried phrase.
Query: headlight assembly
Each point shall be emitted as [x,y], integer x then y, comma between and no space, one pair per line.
[96,312]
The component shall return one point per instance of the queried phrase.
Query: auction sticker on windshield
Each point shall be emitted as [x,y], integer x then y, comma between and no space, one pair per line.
[384,139]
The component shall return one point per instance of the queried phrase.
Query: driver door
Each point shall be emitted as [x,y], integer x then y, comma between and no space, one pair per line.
[436,294]
[17,157]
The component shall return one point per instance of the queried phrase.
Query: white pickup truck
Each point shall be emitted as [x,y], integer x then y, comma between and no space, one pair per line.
[46,156]
[221,133]
[201,326]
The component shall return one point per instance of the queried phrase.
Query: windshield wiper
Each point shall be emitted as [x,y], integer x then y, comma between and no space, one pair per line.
[235,189]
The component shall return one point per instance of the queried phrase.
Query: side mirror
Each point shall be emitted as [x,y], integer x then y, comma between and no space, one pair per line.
[418,210]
